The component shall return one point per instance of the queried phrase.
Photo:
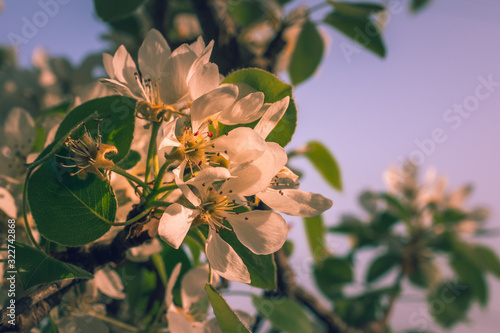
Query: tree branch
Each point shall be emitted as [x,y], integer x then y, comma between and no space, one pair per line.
[35,306]
[288,285]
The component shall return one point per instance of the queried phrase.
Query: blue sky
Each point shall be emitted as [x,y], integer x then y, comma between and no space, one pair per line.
[369,111]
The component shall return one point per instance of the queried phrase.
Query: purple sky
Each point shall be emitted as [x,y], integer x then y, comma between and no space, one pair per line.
[370,112]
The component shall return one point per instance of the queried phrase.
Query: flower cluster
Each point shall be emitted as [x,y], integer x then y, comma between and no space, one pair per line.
[222,175]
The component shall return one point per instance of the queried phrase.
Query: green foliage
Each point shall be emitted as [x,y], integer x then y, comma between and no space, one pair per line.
[283,313]
[130,160]
[449,216]
[68,210]
[356,8]
[332,274]
[245,12]
[113,10]
[325,163]
[307,54]
[37,267]
[361,29]
[487,259]
[114,122]
[315,232]
[449,303]
[262,268]
[470,274]
[382,265]
[418,5]
[274,90]
[226,317]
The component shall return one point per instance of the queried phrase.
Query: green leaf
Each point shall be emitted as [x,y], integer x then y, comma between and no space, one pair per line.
[112,10]
[245,12]
[226,317]
[362,30]
[487,259]
[332,274]
[307,54]
[130,160]
[116,118]
[418,5]
[395,206]
[449,216]
[470,274]
[68,210]
[449,303]
[283,313]
[274,90]
[315,232]
[325,163]
[383,222]
[262,268]
[424,273]
[381,265]
[356,8]
[35,267]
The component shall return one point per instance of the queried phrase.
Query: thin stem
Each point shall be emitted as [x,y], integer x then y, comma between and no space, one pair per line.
[114,322]
[200,234]
[173,186]
[25,214]
[158,204]
[132,220]
[159,176]
[152,149]
[130,177]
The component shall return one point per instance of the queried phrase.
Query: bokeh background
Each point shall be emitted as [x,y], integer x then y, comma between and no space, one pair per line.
[371,113]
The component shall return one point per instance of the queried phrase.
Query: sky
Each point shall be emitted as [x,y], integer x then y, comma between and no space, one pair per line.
[370,112]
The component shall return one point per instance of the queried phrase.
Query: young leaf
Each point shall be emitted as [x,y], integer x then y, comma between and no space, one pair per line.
[68,210]
[360,29]
[35,267]
[226,317]
[381,265]
[325,163]
[315,232]
[449,303]
[112,10]
[332,274]
[274,90]
[283,313]
[356,8]
[470,274]
[487,259]
[418,5]
[307,54]
[262,268]
[245,12]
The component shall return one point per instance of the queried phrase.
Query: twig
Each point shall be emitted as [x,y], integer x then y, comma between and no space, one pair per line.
[288,285]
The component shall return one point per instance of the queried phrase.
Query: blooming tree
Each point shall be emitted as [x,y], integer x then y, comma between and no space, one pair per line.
[143,195]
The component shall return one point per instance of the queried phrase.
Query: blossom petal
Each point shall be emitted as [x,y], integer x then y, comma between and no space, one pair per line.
[205,79]
[211,103]
[241,145]
[169,139]
[125,69]
[120,88]
[193,285]
[224,259]
[173,85]
[183,185]
[254,177]
[109,283]
[107,60]
[272,116]
[244,111]
[153,54]
[262,231]
[203,53]
[172,279]
[177,323]
[19,131]
[175,223]
[7,203]
[296,202]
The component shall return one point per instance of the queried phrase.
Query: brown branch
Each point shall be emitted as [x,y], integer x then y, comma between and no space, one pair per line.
[35,306]
[288,285]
